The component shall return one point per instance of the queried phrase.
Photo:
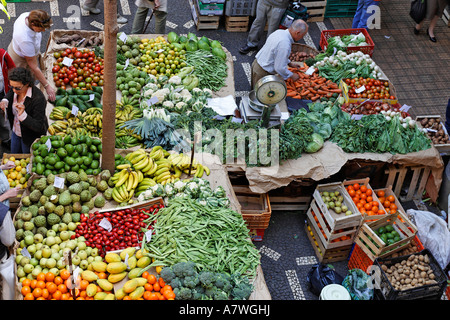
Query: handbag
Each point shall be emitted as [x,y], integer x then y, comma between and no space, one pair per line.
[418,10]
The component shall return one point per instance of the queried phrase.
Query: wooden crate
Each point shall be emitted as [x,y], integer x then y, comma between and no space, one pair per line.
[374,247]
[316,9]
[237,24]
[202,21]
[365,182]
[330,237]
[333,219]
[280,203]
[389,192]
[255,208]
[326,255]
[396,179]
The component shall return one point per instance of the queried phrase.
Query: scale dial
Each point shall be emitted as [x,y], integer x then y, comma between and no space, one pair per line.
[270,90]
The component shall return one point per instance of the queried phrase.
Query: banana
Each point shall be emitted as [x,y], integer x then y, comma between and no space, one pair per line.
[122,178]
[123,166]
[116,195]
[136,180]
[142,163]
[199,172]
[138,158]
[130,181]
[152,171]
[161,171]
[123,192]
[140,176]
[148,167]
[178,172]
[163,176]
[207,170]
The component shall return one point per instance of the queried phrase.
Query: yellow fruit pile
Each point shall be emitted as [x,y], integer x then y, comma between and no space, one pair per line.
[18,175]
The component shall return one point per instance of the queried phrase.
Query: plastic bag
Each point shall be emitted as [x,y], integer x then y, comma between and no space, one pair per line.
[356,282]
[321,275]
[418,10]
[433,233]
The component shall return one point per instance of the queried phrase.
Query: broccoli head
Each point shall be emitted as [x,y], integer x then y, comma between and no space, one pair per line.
[184,268]
[223,282]
[207,278]
[198,293]
[191,281]
[210,292]
[176,283]
[167,274]
[242,290]
[220,295]
[183,293]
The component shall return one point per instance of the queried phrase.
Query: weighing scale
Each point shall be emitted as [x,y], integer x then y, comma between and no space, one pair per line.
[262,102]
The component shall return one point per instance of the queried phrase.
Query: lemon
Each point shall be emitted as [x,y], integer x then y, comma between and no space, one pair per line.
[12,158]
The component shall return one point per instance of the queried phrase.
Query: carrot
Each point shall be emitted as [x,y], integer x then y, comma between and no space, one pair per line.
[305,92]
[322,92]
[314,98]
[291,93]
[312,90]
[335,90]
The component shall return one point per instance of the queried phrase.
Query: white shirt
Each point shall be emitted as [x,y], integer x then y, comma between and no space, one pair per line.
[274,55]
[25,42]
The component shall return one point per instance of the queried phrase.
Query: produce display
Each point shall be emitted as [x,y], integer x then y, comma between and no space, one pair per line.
[388,234]
[127,229]
[364,200]
[413,272]
[335,201]
[77,40]
[368,88]
[83,70]
[57,154]
[379,133]
[17,176]
[372,107]
[340,43]
[388,202]
[343,65]
[311,87]
[300,56]
[435,130]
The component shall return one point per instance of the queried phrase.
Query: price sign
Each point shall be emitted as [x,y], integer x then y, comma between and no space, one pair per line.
[126,261]
[48,143]
[148,235]
[310,71]
[152,101]
[29,168]
[67,61]
[237,120]
[25,253]
[105,224]
[123,37]
[91,97]
[405,108]
[357,116]
[59,182]
[75,110]
[127,62]
[360,89]
[218,117]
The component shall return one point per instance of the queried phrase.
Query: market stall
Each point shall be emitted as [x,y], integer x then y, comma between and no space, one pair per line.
[168,223]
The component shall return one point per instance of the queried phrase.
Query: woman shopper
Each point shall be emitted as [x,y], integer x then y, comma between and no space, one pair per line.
[435,9]
[6,64]
[25,107]
[25,45]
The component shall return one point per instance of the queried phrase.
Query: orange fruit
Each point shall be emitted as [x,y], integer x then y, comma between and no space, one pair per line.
[57,295]
[369,199]
[62,287]
[49,276]
[102,275]
[58,280]
[126,298]
[156,286]
[64,274]
[151,279]
[390,198]
[148,287]
[51,287]
[28,296]
[161,282]
[363,189]
[169,295]
[147,295]
[356,186]
[33,283]
[83,284]
[26,282]
[37,292]
[40,276]
[25,290]
[45,293]
[393,206]
[386,204]
[369,192]
[145,274]
[380,193]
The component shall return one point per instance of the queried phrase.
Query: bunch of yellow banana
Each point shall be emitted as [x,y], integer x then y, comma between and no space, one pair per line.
[59,113]
[141,161]
[93,119]
[182,161]
[144,185]
[59,126]
[126,181]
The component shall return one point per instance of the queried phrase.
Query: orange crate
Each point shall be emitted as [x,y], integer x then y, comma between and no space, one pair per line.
[327,34]
[360,260]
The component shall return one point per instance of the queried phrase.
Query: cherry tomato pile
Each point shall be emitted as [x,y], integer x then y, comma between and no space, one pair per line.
[85,71]
[127,228]
[374,89]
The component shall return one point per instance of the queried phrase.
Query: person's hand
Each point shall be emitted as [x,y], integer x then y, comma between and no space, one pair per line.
[295,76]
[20,108]
[12,192]
[157,4]
[3,105]
[51,92]
[9,165]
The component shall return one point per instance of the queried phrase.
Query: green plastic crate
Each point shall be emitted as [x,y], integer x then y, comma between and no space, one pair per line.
[341,8]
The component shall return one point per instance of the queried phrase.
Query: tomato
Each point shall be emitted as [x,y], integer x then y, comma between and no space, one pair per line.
[56,69]
[66,80]
[74,49]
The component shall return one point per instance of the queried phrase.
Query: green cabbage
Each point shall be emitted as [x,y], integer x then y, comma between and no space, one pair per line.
[315,144]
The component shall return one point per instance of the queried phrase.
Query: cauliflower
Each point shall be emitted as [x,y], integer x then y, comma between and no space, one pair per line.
[152,78]
[168,104]
[207,92]
[185,95]
[197,90]
[161,94]
[175,80]
[179,185]
[180,105]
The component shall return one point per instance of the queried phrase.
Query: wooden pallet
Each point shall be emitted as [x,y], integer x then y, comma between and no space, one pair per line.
[201,21]
[237,24]
[316,9]
[396,179]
